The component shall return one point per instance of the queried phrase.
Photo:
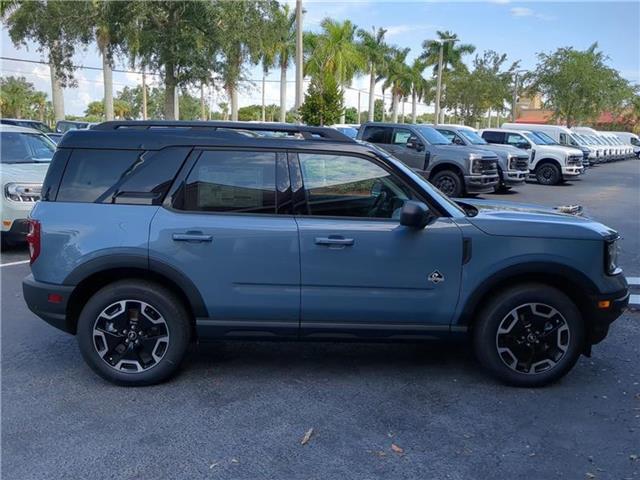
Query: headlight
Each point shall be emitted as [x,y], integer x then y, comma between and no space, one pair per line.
[611,257]
[475,164]
[23,192]
[513,162]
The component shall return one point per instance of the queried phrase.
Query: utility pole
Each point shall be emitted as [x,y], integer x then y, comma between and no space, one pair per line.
[299,58]
[203,111]
[144,96]
[440,67]
[358,106]
[176,103]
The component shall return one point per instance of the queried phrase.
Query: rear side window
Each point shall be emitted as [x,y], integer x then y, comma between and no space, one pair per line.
[120,176]
[493,137]
[232,181]
[375,134]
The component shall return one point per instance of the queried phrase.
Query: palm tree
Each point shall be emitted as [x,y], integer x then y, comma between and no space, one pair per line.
[452,52]
[335,53]
[374,51]
[397,78]
[285,46]
[420,87]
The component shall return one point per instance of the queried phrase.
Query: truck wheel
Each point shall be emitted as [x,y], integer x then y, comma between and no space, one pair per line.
[448,182]
[548,174]
[134,333]
[529,335]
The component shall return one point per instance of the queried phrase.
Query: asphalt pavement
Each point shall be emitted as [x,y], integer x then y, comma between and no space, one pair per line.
[241,410]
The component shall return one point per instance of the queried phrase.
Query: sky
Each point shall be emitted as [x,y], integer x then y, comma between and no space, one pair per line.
[519,29]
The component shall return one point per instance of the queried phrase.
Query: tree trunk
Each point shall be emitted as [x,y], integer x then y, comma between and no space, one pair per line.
[403,100]
[176,102]
[233,97]
[144,97]
[414,107]
[372,99]
[169,93]
[57,96]
[107,76]
[264,110]
[343,114]
[283,92]
[394,108]
[203,110]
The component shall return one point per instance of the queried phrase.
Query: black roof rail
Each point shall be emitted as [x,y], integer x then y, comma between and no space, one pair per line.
[306,132]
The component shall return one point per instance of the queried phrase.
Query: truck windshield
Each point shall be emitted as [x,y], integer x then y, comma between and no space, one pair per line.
[17,147]
[546,138]
[472,137]
[433,136]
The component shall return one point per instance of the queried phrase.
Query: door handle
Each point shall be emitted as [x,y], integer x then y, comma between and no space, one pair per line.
[191,237]
[341,241]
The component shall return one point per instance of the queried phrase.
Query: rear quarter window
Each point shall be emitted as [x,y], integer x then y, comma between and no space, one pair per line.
[120,176]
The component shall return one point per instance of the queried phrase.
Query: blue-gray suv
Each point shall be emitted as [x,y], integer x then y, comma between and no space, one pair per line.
[150,235]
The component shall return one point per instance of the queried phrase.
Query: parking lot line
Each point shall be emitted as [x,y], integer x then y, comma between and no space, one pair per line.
[634,299]
[633,280]
[21,262]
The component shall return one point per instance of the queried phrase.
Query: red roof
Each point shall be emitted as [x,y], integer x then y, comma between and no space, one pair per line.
[543,117]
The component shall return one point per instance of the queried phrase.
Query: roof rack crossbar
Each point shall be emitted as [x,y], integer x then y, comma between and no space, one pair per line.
[307,132]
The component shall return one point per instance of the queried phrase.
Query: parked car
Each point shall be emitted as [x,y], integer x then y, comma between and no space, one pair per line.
[454,170]
[630,139]
[25,154]
[26,123]
[513,163]
[63,126]
[549,164]
[146,239]
[562,136]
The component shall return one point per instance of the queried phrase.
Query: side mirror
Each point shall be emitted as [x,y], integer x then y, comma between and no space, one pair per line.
[414,143]
[414,214]
[524,146]
[457,141]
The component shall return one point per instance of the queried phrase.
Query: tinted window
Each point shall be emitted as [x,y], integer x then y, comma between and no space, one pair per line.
[227,181]
[16,147]
[120,176]
[400,136]
[376,134]
[432,136]
[472,136]
[339,185]
[493,137]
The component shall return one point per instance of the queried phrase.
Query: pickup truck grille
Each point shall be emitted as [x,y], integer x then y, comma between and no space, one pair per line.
[522,163]
[575,160]
[489,166]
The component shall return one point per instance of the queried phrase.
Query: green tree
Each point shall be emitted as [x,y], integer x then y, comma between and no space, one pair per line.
[285,44]
[54,27]
[95,109]
[351,115]
[335,53]
[578,85]
[452,52]
[178,40]
[323,104]
[17,97]
[374,50]
[397,78]
[421,89]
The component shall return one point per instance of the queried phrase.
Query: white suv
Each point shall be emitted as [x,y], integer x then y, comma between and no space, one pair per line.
[550,163]
[24,159]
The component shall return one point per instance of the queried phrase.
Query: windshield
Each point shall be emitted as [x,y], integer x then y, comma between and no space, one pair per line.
[36,125]
[546,138]
[433,136]
[17,147]
[472,136]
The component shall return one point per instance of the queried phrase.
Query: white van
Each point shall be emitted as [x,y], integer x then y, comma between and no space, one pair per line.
[609,153]
[630,139]
[561,135]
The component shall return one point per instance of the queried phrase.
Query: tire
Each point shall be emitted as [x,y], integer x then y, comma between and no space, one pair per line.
[107,333]
[548,174]
[504,345]
[449,183]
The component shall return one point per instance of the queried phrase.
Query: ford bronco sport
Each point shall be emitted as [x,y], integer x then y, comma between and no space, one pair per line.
[150,235]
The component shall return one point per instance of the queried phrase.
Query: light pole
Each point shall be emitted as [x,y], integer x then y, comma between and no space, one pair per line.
[515,94]
[299,59]
[439,86]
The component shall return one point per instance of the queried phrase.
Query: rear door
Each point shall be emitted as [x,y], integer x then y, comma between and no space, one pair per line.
[228,227]
[362,273]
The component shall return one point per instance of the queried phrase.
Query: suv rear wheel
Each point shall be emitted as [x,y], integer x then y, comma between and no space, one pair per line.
[134,333]
[548,174]
[449,183]
[529,336]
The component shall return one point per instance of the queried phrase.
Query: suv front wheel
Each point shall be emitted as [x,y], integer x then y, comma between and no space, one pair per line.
[529,335]
[134,333]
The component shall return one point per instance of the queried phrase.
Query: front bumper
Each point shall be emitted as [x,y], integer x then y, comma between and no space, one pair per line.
[572,170]
[481,183]
[17,231]
[38,297]
[599,319]
[514,177]
[13,212]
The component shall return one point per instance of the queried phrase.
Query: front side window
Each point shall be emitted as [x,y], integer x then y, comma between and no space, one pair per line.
[401,136]
[515,139]
[345,186]
[228,181]
[448,134]
[472,137]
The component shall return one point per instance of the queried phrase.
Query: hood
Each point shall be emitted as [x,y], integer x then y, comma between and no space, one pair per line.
[523,220]
[23,172]
[560,149]
[501,150]
[467,149]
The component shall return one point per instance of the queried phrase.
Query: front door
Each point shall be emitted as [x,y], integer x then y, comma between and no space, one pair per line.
[228,230]
[362,273]
[413,157]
